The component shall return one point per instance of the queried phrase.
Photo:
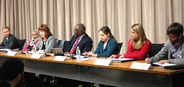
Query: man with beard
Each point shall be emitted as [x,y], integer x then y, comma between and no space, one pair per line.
[12,72]
[9,40]
[173,50]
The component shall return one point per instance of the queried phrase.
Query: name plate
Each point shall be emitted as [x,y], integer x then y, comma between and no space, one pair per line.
[143,66]
[103,62]
[36,56]
[11,53]
[59,58]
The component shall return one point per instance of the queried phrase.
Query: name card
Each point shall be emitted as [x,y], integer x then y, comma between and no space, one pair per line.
[36,56]
[103,62]
[143,66]
[11,53]
[59,58]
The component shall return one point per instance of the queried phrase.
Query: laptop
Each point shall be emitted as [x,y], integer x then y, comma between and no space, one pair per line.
[57,50]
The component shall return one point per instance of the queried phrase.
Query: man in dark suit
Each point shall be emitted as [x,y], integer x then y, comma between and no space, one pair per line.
[9,41]
[12,71]
[81,40]
[84,42]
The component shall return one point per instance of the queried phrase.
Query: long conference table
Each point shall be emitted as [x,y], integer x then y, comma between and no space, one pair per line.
[118,74]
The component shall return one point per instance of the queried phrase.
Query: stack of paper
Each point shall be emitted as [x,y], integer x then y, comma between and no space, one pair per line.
[165,64]
[122,59]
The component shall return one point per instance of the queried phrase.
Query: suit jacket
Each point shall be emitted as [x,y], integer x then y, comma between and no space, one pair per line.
[109,49]
[50,43]
[85,44]
[164,53]
[11,43]
[139,54]
[4,83]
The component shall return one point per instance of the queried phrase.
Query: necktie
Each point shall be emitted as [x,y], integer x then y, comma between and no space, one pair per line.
[74,46]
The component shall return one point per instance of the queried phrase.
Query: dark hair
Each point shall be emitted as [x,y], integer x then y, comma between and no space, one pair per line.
[106,30]
[11,68]
[81,27]
[46,29]
[175,28]
[6,27]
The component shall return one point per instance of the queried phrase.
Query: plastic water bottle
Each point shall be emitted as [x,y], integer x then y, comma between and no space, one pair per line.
[78,53]
[34,50]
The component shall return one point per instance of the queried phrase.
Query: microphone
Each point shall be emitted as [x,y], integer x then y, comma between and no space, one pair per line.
[22,52]
[46,55]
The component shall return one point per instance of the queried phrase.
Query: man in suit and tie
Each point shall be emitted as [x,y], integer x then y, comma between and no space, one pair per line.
[9,40]
[81,40]
[12,71]
[84,42]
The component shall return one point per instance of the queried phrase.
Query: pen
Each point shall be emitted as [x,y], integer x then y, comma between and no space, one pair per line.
[147,55]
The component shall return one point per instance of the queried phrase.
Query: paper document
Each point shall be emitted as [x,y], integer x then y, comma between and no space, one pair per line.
[120,60]
[11,53]
[143,66]
[103,62]
[83,57]
[9,49]
[165,64]
[2,49]
[59,58]
[36,56]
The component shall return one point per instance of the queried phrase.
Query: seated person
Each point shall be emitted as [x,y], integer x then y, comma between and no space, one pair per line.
[9,40]
[12,71]
[106,46]
[46,40]
[173,50]
[81,40]
[33,41]
[139,46]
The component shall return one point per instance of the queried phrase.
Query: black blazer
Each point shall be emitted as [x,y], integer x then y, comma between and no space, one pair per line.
[11,43]
[85,44]
[4,83]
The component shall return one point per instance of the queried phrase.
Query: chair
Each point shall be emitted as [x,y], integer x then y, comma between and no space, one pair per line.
[155,48]
[118,48]
[65,47]
[21,43]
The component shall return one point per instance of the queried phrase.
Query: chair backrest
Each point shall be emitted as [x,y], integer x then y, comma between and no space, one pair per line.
[118,48]
[59,41]
[21,43]
[65,47]
[155,48]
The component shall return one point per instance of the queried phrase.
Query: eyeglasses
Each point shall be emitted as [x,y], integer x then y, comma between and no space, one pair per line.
[172,37]
[41,32]
[34,34]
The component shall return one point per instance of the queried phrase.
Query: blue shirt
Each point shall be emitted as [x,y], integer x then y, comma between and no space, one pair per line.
[108,50]
[176,51]
[79,40]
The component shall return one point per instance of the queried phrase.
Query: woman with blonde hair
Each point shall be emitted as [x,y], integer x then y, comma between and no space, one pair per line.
[139,46]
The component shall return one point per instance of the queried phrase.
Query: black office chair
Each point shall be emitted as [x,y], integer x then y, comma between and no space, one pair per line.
[21,43]
[66,46]
[118,48]
[66,43]
[155,48]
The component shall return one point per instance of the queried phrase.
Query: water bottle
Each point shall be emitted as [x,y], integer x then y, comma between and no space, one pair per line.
[34,50]
[78,53]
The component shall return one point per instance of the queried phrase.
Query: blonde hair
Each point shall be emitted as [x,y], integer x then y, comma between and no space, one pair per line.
[6,27]
[142,37]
